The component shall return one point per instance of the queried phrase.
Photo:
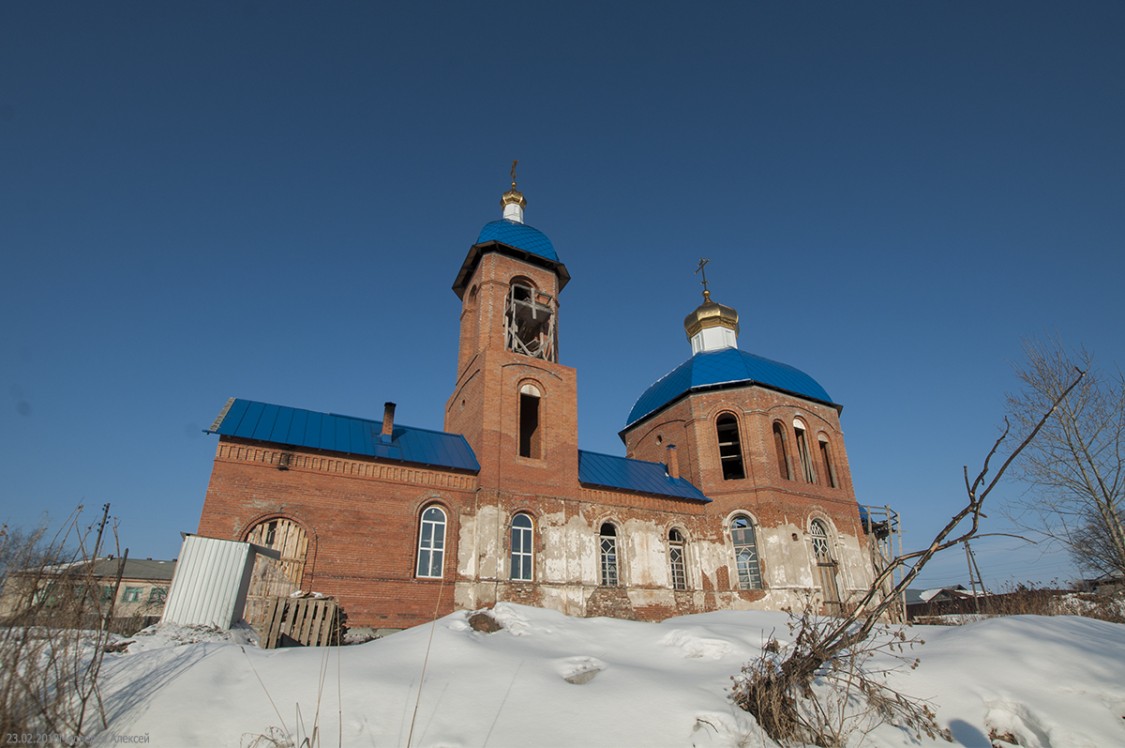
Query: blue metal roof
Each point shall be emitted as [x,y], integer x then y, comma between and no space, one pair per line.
[520,236]
[608,471]
[295,427]
[726,367]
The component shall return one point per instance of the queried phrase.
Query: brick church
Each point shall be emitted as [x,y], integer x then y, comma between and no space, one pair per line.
[735,493]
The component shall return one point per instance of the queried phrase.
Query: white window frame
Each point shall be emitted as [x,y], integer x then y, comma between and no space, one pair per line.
[677,549]
[521,567]
[431,543]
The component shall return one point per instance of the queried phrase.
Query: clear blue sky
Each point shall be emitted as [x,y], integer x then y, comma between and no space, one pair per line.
[271,200]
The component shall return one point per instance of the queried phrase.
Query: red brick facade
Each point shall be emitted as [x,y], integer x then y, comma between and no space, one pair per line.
[362,516]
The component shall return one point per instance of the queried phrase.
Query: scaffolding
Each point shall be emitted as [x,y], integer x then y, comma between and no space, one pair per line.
[883,528]
[529,316]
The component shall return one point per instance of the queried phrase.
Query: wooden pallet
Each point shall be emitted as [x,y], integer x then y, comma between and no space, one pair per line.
[304,621]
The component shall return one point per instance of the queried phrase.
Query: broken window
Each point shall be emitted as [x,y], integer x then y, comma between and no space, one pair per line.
[529,439]
[730,447]
[782,452]
[529,317]
[807,470]
[522,552]
[746,553]
[676,559]
[431,543]
[608,545]
[826,460]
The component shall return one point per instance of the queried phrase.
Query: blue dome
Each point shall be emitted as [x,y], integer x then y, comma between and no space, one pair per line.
[520,236]
[729,366]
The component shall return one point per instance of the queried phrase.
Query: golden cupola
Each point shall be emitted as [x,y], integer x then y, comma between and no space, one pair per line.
[712,326]
[513,201]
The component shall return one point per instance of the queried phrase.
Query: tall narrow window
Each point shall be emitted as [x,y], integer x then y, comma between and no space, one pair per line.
[676,559]
[608,546]
[746,553]
[522,549]
[730,447]
[431,543]
[826,461]
[782,452]
[807,470]
[825,566]
[529,422]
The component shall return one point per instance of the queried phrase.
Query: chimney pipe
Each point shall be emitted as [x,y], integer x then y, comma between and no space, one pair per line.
[388,420]
[672,463]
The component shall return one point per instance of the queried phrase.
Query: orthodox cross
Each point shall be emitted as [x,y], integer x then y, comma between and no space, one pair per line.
[702,270]
[514,162]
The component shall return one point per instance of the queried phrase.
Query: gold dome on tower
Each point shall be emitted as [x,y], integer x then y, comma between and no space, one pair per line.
[710,314]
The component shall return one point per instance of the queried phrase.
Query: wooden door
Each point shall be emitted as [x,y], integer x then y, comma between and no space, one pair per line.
[275,577]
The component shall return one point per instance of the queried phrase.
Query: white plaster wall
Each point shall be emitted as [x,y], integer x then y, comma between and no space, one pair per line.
[567,563]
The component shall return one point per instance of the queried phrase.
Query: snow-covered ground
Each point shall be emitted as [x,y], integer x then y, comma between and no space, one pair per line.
[1047,681]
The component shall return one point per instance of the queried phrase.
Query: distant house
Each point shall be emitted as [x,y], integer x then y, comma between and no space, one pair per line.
[1106,584]
[937,601]
[138,599]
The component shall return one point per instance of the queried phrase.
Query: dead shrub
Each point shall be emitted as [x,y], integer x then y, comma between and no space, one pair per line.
[55,629]
[845,695]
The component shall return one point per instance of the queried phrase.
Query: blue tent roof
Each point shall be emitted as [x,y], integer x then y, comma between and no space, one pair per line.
[729,366]
[520,236]
[357,436]
[608,471]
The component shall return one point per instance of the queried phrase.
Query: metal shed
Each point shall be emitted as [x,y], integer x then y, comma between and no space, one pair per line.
[211,582]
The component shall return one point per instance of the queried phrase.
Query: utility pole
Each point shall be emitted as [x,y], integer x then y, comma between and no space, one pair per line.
[974,576]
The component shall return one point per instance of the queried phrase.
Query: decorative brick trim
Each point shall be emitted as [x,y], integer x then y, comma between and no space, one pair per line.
[372,470]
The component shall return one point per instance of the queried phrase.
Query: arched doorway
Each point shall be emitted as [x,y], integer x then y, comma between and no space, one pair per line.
[275,577]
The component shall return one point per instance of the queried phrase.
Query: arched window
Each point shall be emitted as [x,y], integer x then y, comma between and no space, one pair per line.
[676,559]
[529,316]
[746,553]
[826,461]
[522,549]
[431,543]
[607,543]
[782,452]
[730,447]
[529,438]
[807,470]
[821,545]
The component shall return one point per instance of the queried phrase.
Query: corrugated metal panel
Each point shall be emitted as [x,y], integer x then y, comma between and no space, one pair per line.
[728,366]
[633,475]
[520,236]
[210,584]
[295,427]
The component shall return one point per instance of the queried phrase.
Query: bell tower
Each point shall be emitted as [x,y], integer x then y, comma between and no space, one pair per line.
[513,402]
